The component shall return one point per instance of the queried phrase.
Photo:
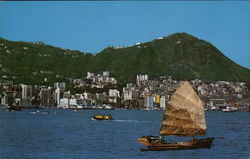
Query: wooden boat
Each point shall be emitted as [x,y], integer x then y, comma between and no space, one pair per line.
[14,108]
[102,117]
[184,116]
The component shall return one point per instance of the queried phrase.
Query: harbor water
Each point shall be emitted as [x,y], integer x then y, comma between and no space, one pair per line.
[68,134]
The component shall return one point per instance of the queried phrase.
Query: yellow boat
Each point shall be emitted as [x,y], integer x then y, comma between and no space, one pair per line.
[102,117]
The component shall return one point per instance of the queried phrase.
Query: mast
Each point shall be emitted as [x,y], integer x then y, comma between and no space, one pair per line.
[184,115]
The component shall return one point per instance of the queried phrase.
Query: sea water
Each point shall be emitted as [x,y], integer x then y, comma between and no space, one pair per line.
[66,134]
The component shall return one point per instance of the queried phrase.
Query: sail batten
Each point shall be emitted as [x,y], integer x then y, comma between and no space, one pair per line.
[184,114]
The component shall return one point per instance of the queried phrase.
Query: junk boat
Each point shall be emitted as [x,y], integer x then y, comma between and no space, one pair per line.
[184,116]
[102,117]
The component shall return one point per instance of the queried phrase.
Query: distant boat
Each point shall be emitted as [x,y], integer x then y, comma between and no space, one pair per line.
[229,109]
[14,108]
[105,106]
[102,117]
[39,112]
[184,116]
[75,110]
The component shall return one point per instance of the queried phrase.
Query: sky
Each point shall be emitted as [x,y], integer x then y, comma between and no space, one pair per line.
[94,25]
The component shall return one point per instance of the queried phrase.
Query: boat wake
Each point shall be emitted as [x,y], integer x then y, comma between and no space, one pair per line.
[129,121]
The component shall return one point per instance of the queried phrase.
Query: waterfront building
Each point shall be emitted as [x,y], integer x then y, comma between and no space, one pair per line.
[149,104]
[217,104]
[101,98]
[7,92]
[57,95]
[46,99]
[26,91]
[26,96]
[157,98]
[72,103]
[64,103]
[7,98]
[163,102]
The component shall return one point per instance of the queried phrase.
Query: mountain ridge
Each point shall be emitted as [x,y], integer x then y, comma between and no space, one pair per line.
[180,55]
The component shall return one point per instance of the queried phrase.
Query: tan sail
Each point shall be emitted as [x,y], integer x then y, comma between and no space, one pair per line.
[184,114]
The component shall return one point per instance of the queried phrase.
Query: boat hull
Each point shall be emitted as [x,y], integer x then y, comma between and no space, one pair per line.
[164,146]
[14,108]
[103,117]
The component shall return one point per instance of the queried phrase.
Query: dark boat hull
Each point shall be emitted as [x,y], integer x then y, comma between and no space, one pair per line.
[164,146]
[100,118]
[14,108]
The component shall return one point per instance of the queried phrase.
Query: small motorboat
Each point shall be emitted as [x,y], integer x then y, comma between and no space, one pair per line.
[39,112]
[102,117]
[229,109]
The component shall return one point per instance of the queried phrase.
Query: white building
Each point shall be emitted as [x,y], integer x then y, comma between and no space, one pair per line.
[149,104]
[61,85]
[86,95]
[26,91]
[130,86]
[141,78]
[114,93]
[112,80]
[90,75]
[163,102]
[57,95]
[127,95]
[64,103]
[105,73]
[72,102]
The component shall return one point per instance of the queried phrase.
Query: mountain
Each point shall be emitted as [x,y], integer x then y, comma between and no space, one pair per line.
[180,55]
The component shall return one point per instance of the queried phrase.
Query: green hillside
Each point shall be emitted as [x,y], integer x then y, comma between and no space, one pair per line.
[180,55]
[31,63]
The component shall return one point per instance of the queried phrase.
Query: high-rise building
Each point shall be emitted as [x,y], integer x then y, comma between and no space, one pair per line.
[163,102]
[26,91]
[46,99]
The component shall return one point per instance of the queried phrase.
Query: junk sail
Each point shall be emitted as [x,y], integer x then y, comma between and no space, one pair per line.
[184,115]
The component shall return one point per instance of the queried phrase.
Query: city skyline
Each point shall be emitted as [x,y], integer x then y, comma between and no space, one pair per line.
[92,26]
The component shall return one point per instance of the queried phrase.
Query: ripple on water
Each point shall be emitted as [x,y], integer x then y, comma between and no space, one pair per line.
[73,135]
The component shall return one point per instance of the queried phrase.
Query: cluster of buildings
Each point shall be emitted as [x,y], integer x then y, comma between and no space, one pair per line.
[145,93]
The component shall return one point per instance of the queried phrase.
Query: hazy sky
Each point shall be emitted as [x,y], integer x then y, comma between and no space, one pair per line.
[92,26]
